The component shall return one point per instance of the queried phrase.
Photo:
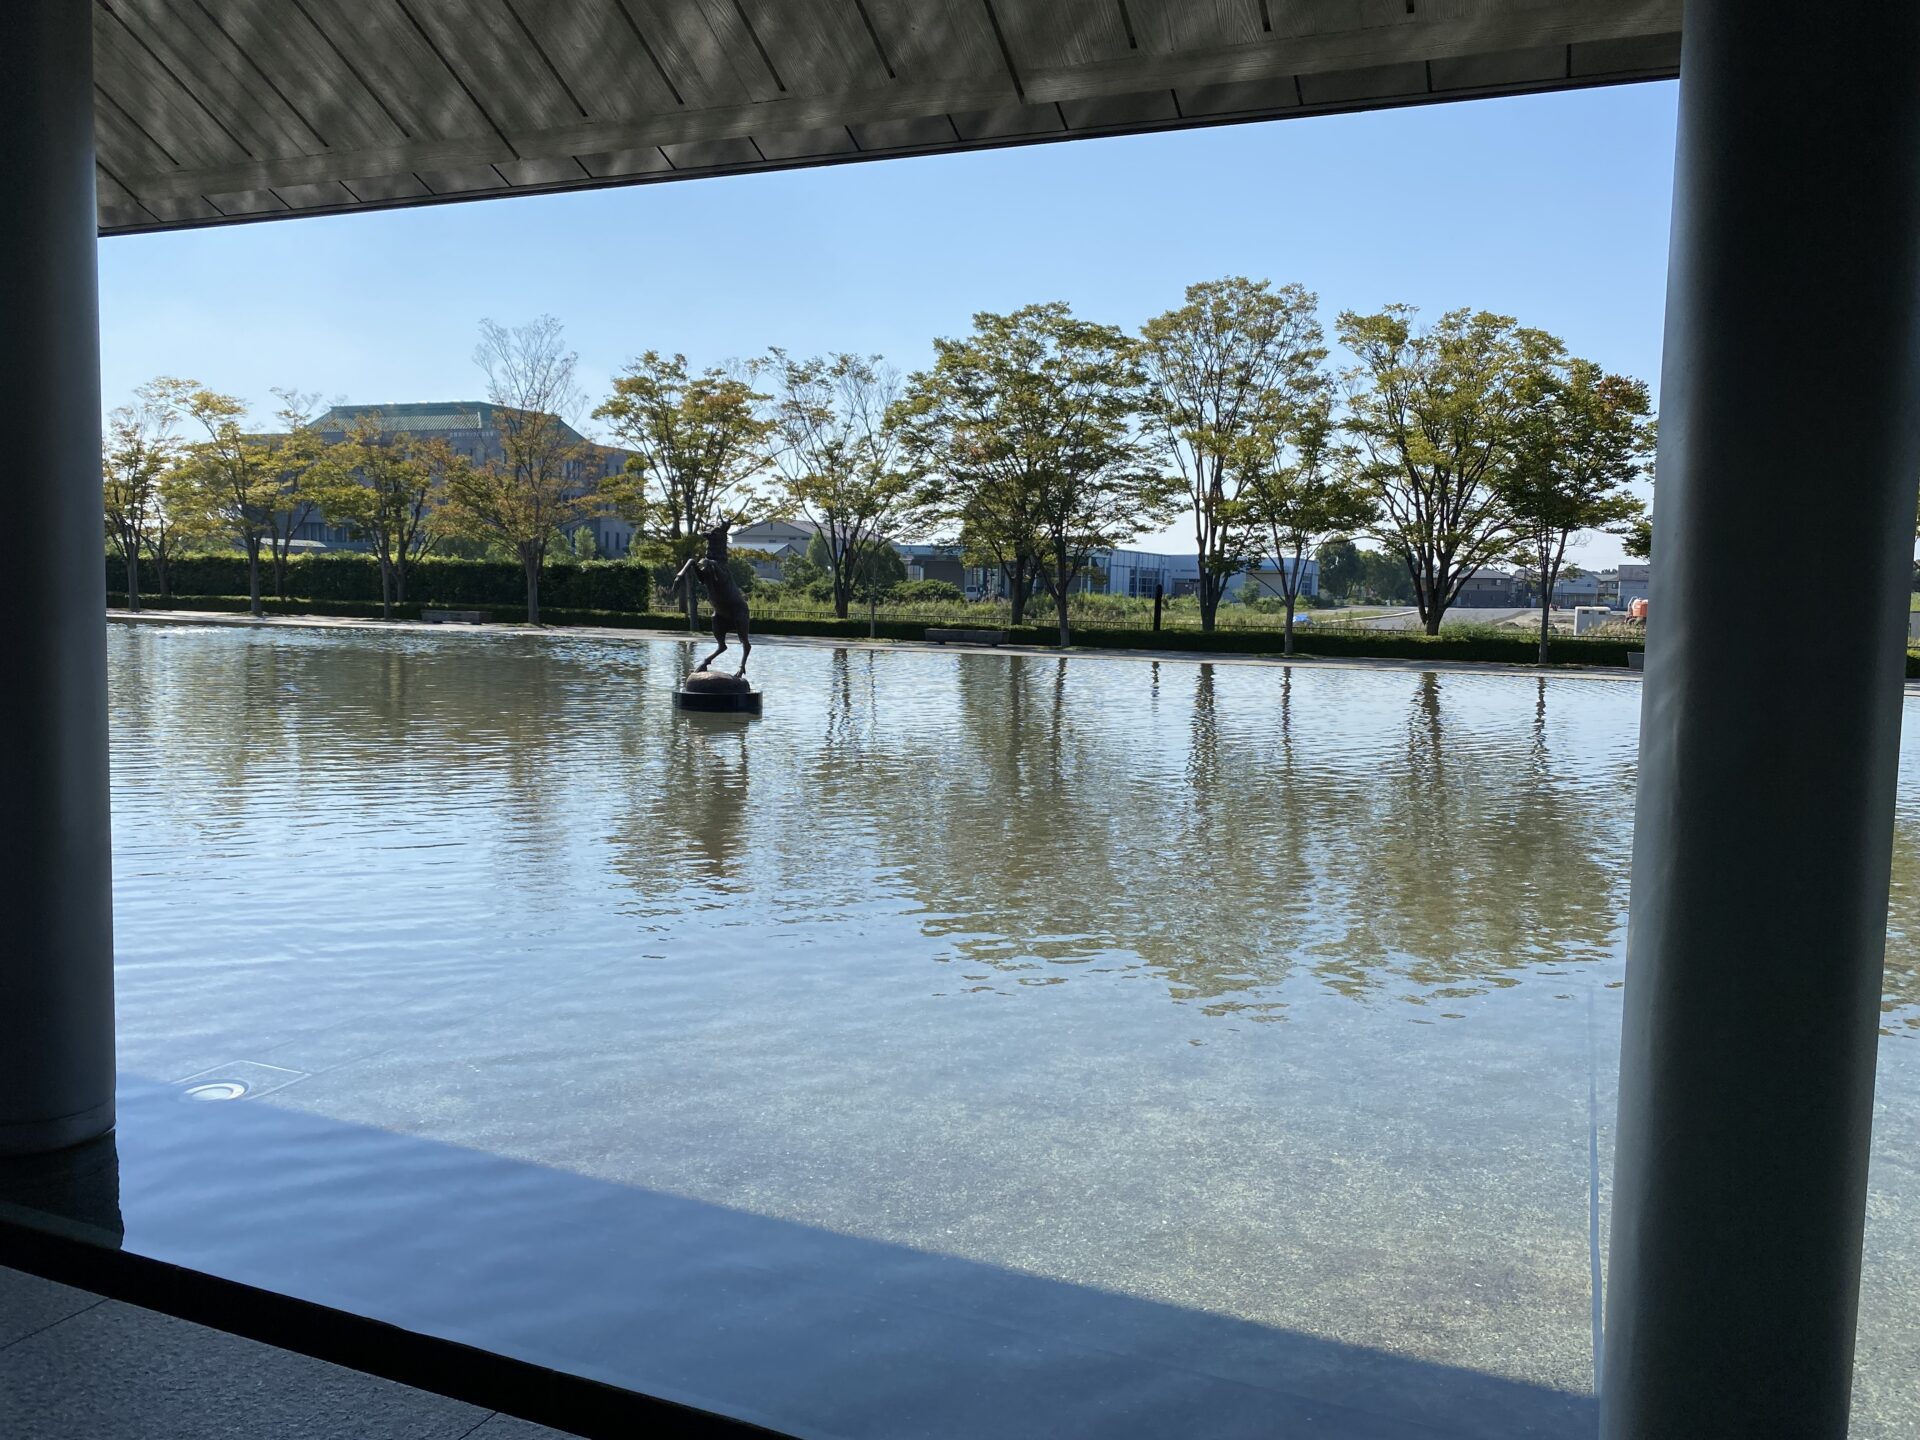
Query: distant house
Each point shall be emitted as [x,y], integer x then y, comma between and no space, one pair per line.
[470,429]
[1573,589]
[935,562]
[1487,589]
[1634,579]
[781,539]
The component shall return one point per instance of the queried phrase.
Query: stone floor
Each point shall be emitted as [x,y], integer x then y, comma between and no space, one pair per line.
[76,1367]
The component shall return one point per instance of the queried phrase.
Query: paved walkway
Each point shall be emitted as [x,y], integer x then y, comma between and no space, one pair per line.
[595,632]
[74,1366]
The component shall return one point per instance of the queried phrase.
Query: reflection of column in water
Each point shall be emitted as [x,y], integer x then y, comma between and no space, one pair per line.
[73,1192]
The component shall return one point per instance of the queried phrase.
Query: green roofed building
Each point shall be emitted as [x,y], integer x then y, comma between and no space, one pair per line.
[469,427]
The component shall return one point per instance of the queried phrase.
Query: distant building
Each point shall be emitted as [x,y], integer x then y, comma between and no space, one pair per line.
[1136,572]
[1634,579]
[1488,589]
[1267,580]
[780,539]
[935,562]
[470,429]
[1569,590]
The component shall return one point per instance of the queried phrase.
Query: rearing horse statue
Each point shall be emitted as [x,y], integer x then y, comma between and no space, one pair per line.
[729,605]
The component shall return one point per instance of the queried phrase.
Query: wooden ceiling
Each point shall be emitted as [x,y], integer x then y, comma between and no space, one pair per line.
[216,111]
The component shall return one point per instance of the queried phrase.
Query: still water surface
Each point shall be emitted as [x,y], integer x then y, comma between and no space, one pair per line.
[1250,1029]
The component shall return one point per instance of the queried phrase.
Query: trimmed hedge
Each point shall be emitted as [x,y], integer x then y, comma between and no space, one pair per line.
[435,581]
[1521,649]
[239,605]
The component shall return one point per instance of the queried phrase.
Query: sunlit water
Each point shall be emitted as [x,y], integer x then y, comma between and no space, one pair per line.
[1289,996]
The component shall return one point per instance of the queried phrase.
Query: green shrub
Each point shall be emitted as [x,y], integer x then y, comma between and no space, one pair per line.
[926,592]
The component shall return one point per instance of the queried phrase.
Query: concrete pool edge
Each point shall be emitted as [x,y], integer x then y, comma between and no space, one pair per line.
[847,642]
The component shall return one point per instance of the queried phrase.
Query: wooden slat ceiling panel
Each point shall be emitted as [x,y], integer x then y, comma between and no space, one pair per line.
[122,145]
[602,55]
[817,47]
[1172,27]
[739,46]
[402,73]
[692,56]
[214,110]
[496,59]
[151,96]
[933,40]
[317,80]
[217,72]
[1064,33]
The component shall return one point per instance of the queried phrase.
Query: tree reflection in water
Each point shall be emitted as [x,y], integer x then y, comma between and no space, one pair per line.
[1244,837]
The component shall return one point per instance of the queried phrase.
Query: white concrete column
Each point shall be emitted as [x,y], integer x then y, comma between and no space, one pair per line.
[1789,446]
[56,922]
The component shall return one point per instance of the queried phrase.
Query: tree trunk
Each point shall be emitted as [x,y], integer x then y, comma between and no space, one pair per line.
[1210,588]
[1546,616]
[133,580]
[1016,575]
[842,591]
[1286,645]
[1060,599]
[386,588]
[253,578]
[530,562]
[160,575]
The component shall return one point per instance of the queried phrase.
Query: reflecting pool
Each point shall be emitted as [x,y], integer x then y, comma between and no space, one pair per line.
[974,1044]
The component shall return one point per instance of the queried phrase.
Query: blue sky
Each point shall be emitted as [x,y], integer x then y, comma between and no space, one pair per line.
[1551,208]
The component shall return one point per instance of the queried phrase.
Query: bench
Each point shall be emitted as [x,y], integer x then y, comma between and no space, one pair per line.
[967,637]
[456,617]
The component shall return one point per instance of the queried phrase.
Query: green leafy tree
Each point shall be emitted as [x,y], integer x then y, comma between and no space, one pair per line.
[1583,438]
[301,476]
[1384,578]
[837,451]
[699,443]
[1225,370]
[387,487]
[1341,571]
[1002,540]
[137,451]
[538,487]
[1438,414]
[871,570]
[231,478]
[180,525]
[1303,485]
[1026,425]
[1638,540]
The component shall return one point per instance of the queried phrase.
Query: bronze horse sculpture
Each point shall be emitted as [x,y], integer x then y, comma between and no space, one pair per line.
[729,605]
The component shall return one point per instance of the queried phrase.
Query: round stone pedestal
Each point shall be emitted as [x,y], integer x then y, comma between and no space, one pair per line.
[714,690]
